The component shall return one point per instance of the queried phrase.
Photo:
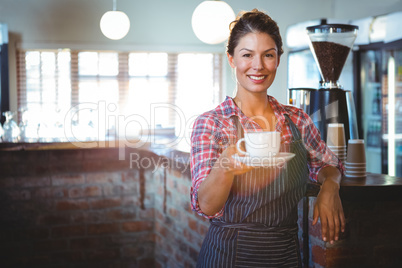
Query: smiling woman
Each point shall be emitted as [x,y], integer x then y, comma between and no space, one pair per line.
[248,204]
[110,94]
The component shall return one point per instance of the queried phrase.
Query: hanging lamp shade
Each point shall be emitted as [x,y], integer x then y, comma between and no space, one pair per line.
[115,24]
[210,21]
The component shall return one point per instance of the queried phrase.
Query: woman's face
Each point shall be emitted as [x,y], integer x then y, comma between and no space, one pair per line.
[255,60]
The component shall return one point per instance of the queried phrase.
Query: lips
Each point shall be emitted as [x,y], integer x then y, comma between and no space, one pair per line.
[257,78]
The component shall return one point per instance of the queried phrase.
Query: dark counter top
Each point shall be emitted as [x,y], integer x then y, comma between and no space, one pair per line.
[372,186]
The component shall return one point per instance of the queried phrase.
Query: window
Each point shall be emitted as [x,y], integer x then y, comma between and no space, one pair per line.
[107,94]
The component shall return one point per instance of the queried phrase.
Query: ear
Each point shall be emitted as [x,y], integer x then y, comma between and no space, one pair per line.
[279,61]
[230,59]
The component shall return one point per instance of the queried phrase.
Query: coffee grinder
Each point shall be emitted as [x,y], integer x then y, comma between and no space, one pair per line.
[330,102]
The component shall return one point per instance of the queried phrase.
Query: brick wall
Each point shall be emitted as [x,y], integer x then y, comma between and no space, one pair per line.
[86,208]
[372,235]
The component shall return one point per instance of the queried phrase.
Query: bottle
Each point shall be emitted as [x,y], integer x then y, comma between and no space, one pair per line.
[375,106]
[369,134]
[11,129]
[378,134]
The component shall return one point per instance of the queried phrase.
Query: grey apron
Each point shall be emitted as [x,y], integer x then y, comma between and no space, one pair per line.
[259,224]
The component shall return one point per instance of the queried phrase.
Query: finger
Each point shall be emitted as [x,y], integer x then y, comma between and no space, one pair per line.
[324,228]
[315,215]
[337,227]
[331,229]
[343,220]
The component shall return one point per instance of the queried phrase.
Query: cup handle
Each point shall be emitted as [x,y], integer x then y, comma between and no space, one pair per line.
[238,146]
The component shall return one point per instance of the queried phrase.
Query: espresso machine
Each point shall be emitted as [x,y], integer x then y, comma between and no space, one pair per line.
[330,45]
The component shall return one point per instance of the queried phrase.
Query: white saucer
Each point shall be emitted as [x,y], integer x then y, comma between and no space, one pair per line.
[280,159]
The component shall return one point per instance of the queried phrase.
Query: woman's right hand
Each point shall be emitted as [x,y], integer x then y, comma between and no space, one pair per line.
[215,188]
[230,164]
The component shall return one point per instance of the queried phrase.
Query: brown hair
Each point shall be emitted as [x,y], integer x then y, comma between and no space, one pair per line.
[253,21]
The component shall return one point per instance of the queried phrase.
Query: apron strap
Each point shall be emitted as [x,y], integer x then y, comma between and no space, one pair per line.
[295,131]
[238,126]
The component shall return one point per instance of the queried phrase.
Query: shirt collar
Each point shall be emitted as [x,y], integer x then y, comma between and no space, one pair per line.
[230,108]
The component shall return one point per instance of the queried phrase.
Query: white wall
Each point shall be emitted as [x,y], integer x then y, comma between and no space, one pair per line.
[158,25]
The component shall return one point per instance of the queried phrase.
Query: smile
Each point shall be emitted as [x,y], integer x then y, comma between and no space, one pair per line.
[261,77]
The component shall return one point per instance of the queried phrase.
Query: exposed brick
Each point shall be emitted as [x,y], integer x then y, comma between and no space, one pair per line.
[120,214]
[68,256]
[112,190]
[87,243]
[128,201]
[86,216]
[202,229]
[192,224]
[49,192]
[88,191]
[31,234]
[53,219]
[32,182]
[184,190]
[160,229]
[137,226]
[146,263]
[103,228]
[71,205]
[129,188]
[148,213]
[50,245]
[64,180]
[19,195]
[68,231]
[104,177]
[175,172]
[193,253]
[6,182]
[105,203]
[133,251]
[103,254]
[173,212]
[34,260]
[132,177]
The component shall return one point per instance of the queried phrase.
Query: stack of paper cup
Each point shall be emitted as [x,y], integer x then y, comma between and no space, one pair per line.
[355,165]
[336,141]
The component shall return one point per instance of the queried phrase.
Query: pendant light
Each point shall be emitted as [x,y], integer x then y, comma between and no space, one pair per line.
[115,24]
[210,21]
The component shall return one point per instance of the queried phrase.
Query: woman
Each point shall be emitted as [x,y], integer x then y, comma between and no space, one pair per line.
[253,210]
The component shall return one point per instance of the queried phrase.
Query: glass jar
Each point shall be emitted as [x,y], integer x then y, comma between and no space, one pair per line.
[11,129]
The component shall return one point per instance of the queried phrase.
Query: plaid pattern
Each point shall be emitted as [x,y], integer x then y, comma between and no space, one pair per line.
[214,131]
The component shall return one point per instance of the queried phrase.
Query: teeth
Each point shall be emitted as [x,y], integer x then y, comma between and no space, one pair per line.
[257,77]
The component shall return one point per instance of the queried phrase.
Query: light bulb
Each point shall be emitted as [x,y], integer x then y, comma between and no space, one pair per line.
[211,21]
[115,24]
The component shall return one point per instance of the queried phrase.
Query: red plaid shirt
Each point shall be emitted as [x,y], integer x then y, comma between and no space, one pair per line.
[214,131]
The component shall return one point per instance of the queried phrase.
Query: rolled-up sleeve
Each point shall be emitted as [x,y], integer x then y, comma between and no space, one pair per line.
[319,155]
[205,150]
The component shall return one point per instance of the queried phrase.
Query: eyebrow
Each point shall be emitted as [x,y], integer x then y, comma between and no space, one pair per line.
[250,50]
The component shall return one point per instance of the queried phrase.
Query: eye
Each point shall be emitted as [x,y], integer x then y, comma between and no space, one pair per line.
[247,55]
[269,55]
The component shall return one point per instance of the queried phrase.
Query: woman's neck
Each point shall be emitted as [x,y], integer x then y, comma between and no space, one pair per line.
[257,108]
[253,104]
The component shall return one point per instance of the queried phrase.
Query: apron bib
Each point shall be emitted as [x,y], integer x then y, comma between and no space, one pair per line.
[259,224]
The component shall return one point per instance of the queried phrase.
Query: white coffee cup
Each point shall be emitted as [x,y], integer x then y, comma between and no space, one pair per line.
[260,143]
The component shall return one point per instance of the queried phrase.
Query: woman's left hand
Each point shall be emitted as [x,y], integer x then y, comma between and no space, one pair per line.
[328,207]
